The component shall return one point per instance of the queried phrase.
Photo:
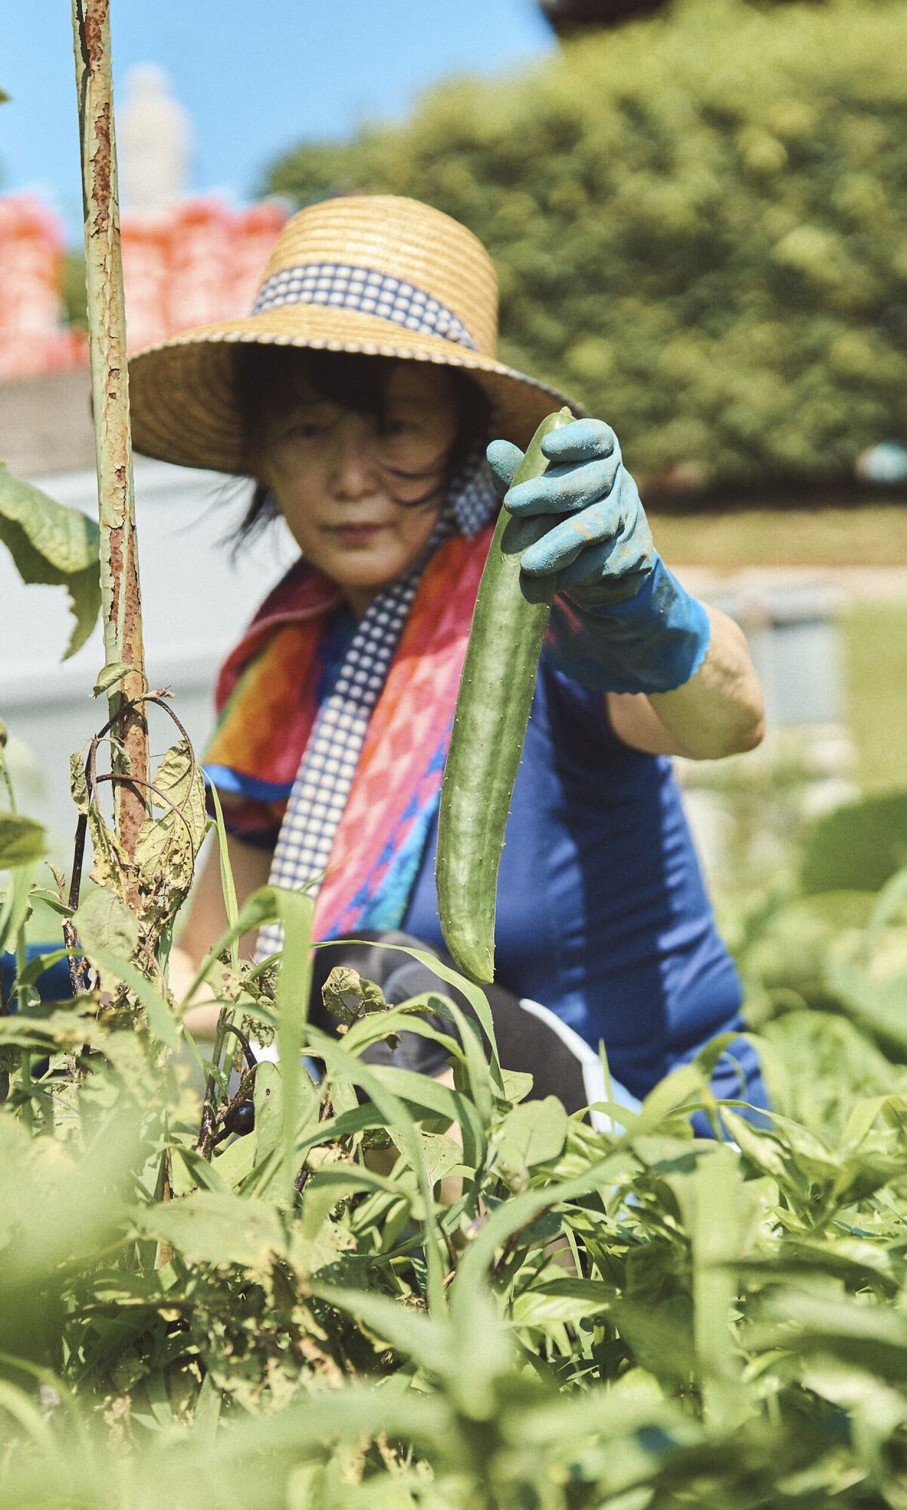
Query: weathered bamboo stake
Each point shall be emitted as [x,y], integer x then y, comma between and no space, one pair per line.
[120,597]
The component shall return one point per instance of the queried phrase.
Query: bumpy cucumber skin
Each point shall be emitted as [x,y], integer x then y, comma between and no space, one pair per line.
[489,730]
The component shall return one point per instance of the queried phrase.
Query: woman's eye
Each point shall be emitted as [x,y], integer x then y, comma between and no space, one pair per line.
[308,429]
[394,427]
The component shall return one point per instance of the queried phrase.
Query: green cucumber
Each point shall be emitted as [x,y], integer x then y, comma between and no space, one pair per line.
[489,730]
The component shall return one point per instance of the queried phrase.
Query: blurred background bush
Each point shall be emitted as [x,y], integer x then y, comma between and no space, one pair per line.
[699,217]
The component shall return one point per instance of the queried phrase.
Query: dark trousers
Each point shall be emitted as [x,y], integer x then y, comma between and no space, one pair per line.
[529,1038]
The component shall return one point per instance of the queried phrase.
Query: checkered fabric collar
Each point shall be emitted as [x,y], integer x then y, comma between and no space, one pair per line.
[328,766]
[471,498]
[366,291]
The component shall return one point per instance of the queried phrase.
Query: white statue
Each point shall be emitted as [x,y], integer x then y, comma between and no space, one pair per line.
[153,141]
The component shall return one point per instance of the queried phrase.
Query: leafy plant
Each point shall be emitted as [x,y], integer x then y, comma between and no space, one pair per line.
[633,1317]
[859,846]
[320,1282]
[51,543]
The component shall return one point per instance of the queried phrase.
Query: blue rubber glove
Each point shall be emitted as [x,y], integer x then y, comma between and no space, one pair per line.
[620,622]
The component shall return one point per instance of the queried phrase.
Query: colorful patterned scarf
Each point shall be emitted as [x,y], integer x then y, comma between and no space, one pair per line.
[354,777]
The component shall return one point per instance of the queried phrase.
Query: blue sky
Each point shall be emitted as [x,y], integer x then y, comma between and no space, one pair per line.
[255,77]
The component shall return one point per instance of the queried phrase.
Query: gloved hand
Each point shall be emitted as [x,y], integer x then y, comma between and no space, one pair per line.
[620,622]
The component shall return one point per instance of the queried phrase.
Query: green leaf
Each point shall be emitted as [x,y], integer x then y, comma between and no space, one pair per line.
[322,1191]
[55,545]
[233,1162]
[562,1301]
[517,1084]
[426,1097]
[227,884]
[109,675]
[104,922]
[344,1068]
[442,1154]
[660,1335]
[878,1005]
[667,1107]
[261,907]
[720,1214]
[189,1171]
[423,1338]
[821,1321]
[217,1229]
[858,846]
[482,1351]
[15,903]
[295,910]
[482,1066]
[57,1205]
[22,841]
[532,1133]
[268,1100]
[512,1215]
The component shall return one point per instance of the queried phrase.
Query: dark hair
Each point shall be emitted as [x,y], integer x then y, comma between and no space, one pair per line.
[269,380]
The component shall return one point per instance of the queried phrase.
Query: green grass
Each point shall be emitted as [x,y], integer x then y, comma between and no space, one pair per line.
[861,533]
[864,534]
[875,651]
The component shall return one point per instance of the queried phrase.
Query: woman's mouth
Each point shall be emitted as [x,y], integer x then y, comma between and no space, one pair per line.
[356,534]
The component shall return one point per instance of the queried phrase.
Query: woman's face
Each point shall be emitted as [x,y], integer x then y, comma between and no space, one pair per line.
[336,472]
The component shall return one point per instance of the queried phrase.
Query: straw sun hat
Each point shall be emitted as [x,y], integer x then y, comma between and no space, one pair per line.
[375,274]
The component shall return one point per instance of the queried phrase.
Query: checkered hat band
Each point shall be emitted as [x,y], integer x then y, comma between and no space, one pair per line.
[368,292]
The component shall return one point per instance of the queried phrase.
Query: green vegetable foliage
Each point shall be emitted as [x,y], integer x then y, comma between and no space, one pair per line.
[619,1317]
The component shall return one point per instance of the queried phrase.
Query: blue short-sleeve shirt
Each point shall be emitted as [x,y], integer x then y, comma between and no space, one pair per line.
[602,913]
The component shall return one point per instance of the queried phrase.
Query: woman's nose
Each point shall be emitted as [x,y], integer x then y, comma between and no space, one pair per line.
[353,469]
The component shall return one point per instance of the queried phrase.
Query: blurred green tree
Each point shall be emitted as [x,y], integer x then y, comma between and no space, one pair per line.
[700,224]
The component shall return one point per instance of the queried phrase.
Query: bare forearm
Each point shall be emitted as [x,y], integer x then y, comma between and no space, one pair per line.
[718,712]
[206,921]
[201,1017]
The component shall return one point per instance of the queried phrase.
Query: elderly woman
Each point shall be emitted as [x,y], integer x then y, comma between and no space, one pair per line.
[364,399]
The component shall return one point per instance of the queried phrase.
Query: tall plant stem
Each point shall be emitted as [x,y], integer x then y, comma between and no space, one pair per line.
[120,596]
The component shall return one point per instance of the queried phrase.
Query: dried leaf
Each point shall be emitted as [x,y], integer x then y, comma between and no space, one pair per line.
[110,867]
[170,838]
[347,995]
[78,782]
[168,843]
